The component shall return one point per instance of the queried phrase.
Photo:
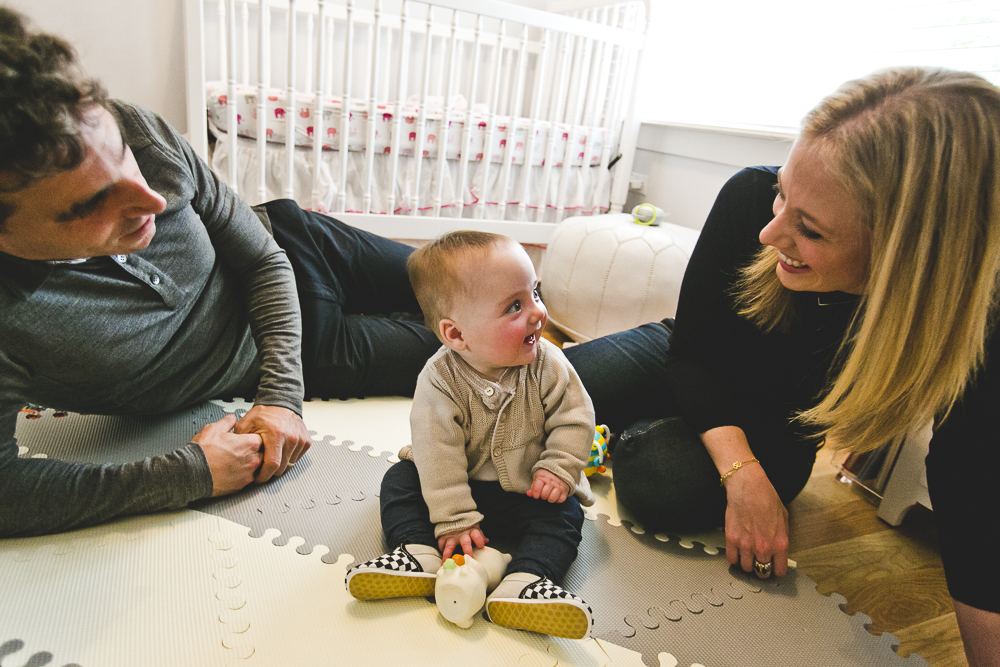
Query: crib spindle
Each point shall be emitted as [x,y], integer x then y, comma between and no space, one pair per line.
[630,132]
[491,123]
[616,75]
[232,118]
[345,107]
[397,118]
[555,115]
[508,154]
[318,105]
[220,10]
[593,75]
[467,129]
[588,93]
[597,122]
[245,42]
[310,29]
[290,106]
[263,68]
[572,120]
[529,146]
[445,128]
[418,157]
[372,108]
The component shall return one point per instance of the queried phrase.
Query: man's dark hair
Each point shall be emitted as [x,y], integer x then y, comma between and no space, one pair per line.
[44,97]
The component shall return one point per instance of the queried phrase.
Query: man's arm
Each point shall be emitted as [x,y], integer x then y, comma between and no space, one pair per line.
[39,496]
[245,247]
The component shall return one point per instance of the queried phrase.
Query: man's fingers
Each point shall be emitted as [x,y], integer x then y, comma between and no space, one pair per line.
[272,460]
[242,425]
[224,425]
[299,452]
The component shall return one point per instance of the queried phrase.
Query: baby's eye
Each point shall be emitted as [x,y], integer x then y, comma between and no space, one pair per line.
[536,294]
[514,307]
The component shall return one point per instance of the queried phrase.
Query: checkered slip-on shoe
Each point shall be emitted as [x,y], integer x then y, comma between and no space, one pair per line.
[541,606]
[393,575]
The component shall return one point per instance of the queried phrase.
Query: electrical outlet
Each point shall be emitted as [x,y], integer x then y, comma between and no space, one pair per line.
[637,183]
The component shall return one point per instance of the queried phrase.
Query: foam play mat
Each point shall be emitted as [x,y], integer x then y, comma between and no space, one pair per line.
[257,578]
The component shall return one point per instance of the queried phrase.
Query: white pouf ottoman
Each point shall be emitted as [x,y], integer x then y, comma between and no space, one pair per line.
[605,273]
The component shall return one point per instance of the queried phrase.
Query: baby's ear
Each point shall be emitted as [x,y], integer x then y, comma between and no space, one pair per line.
[451,335]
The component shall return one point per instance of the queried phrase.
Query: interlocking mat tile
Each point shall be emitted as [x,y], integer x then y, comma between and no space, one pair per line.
[269,590]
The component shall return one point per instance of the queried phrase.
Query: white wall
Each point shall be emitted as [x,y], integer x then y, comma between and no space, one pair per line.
[683,167]
[135,47]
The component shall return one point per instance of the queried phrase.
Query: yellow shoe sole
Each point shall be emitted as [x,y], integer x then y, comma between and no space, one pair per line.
[557,619]
[380,585]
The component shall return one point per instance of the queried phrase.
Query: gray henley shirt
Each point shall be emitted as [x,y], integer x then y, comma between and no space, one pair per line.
[209,309]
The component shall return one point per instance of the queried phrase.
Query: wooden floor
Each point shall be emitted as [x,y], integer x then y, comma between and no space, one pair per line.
[893,575]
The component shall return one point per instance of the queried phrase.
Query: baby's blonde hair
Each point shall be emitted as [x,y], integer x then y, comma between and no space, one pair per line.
[918,150]
[435,270]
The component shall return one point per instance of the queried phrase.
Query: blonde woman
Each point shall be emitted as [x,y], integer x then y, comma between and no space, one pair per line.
[847,297]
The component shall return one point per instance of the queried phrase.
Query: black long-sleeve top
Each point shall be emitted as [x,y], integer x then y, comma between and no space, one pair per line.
[723,370]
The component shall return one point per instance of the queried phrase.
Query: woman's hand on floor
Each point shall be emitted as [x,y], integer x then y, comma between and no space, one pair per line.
[756,522]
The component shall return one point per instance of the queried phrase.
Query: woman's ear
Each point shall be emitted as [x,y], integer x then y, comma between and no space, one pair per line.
[449,332]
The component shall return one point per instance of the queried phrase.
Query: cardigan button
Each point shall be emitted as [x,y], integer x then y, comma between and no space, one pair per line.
[489,391]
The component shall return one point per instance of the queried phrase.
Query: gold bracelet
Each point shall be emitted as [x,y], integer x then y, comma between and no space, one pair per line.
[736,466]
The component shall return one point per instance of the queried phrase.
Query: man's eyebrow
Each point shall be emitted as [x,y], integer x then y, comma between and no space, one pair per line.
[83,208]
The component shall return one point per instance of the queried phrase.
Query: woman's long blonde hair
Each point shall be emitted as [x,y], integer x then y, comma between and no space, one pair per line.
[919,151]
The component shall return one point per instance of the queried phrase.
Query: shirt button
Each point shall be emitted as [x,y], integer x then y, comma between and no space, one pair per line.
[490,391]
[120,259]
[155,279]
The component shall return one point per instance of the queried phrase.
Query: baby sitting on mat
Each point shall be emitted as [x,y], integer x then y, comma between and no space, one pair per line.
[502,428]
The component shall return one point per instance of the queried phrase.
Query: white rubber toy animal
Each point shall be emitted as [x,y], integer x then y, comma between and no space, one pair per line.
[464,581]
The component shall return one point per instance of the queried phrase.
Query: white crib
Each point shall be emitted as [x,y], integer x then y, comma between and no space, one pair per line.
[459,111]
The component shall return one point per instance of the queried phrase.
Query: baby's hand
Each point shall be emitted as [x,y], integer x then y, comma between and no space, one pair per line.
[547,486]
[461,538]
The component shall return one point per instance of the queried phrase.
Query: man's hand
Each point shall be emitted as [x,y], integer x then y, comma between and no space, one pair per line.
[546,486]
[461,538]
[284,436]
[233,459]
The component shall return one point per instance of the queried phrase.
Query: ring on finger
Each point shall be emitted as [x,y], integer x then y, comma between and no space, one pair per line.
[762,570]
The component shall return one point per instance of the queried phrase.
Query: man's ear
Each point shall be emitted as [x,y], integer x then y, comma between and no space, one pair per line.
[449,332]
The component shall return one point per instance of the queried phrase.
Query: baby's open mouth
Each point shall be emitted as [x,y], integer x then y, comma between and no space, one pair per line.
[530,340]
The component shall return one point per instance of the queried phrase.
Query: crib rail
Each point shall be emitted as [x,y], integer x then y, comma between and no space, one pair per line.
[555,78]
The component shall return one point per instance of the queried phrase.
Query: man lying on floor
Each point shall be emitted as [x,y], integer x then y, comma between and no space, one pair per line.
[132,281]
